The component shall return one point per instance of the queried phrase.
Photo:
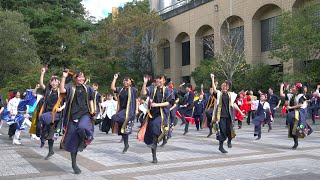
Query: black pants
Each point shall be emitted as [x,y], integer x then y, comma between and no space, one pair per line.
[225,129]
[12,129]
[209,119]
[198,119]
[106,124]
[186,127]
[251,114]
[140,117]
[185,112]
[314,113]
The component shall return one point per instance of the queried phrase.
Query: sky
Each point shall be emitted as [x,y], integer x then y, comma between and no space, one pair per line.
[101,8]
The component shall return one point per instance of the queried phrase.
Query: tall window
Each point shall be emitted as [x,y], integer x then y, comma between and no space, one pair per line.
[186,53]
[166,57]
[268,28]
[237,38]
[208,47]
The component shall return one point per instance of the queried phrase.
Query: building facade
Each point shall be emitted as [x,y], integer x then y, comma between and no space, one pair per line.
[180,44]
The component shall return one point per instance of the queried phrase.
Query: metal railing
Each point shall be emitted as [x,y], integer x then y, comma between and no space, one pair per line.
[174,6]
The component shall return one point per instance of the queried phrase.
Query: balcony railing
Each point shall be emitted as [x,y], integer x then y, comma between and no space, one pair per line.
[174,6]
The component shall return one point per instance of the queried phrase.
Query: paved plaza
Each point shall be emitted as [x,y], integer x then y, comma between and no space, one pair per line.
[184,157]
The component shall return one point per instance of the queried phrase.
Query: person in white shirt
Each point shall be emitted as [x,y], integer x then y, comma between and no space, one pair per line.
[109,109]
[143,108]
[263,112]
[13,110]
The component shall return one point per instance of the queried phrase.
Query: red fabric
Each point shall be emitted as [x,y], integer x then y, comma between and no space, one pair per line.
[189,119]
[248,106]
[242,108]
[11,95]
[284,109]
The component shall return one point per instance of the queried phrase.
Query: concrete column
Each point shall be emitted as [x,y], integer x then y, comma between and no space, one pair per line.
[176,59]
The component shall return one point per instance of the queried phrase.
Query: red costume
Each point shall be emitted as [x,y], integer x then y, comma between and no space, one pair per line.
[243,106]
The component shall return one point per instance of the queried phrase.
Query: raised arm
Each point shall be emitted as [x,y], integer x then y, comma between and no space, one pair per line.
[144,86]
[113,84]
[281,90]
[34,92]
[137,107]
[202,92]
[43,71]
[1,109]
[180,90]
[212,82]
[63,81]
[87,80]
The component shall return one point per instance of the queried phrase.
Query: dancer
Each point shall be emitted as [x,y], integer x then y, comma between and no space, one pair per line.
[315,106]
[19,116]
[97,101]
[185,110]
[210,102]
[46,120]
[199,108]
[12,112]
[127,109]
[251,108]
[274,102]
[242,104]
[78,115]
[152,130]
[1,110]
[297,125]
[263,112]
[110,108]
[172,121]
[224,113]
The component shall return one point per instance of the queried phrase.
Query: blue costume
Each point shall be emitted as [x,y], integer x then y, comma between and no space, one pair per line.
[45,119]
[260,116]
[29,100]
[124,118]
[186,111]
[77,118]
[207,118]
[199,107]
[173,119]
[157,117]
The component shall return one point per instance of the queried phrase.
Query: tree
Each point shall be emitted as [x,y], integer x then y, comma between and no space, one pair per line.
[298,35]
[18,52]
[57,26]
[259,77]
[230,60]
[124,43]
[227,62]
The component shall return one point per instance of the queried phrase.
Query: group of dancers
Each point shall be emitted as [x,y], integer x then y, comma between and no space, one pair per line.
[69,106]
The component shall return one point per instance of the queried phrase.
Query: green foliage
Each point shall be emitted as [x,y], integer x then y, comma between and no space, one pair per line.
[18,52]
[298,32]
[310,76]
[259,77]
[124,44]
[202,73]
[57,26]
